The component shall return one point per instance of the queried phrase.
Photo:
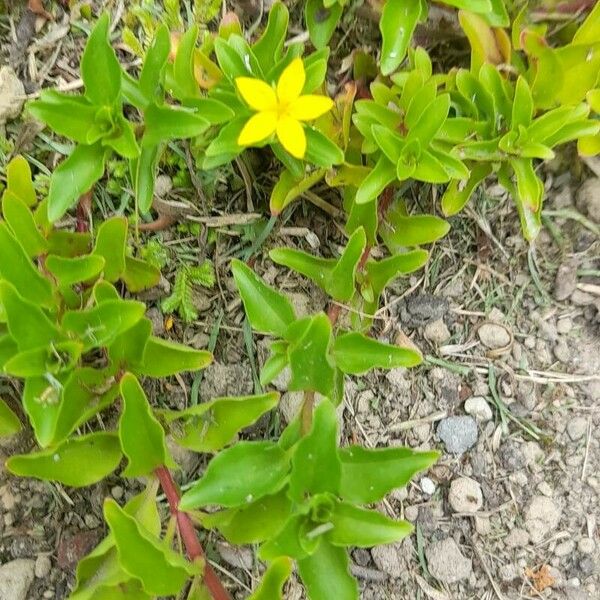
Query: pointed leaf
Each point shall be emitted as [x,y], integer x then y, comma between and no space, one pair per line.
[139,275]
[166,123]
[141,435]
[267,310]
[325,573]
[161,570]
[321,22]
[17,269]
[376,181]
[239,475]
[110,244]
[9,422]
[397,24]
[315,466]
[163,358]
[78,462]
[368,475]
[354,526]
[19,181]
[21,221]
[355,354]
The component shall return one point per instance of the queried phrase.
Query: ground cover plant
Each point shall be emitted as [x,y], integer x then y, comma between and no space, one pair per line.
[202,101]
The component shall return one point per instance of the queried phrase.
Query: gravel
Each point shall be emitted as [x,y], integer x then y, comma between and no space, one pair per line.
[465,495]
[436,332]
[458,434]
[446,562]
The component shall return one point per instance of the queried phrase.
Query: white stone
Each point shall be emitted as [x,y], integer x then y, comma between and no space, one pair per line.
[428,486]
[12,95]
[564,548]
[42,566]
[586,545]
[493,336]
[16,577]
[478,407]
[465,495]
[577,428]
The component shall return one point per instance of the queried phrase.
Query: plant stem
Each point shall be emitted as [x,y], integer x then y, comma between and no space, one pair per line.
[82,214]
[188,534]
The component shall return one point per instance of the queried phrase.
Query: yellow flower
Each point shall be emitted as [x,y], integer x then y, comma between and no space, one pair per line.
[280,111]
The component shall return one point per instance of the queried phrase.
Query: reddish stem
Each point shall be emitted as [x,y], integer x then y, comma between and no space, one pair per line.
[188,534]
[83,212]
[163,222]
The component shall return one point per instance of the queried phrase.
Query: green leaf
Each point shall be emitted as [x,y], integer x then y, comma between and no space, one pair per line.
[154,64]
[376,181]
[368,475]
[321,22]
[39,362]
[9,422]
[212,425]
[100,570]
[163,358]
[86,392]
[214,111]
[336,277]
[397,24]
[522,111]
[68,243]
[354,526]
[239,475]
[271,585]
[110,244]
[127,350]
[325,573]
[122,139]
[41,399]
[68,115]
[430,122]
[100,69]
[230,61]
[267,310]
[21,221]
[316,467]
[183,66]
[458,193]
[161,570]
[320,150]
[99,326]
[589,30]
[143,171]
[400,231]
[288,188]
[167,122]
[73,177]
[78,462]
[18,180]
[139,275]
[528,198]
[252,523]
[355,354]
[310,361]
[17,269]
[269,47]
[27,323]
[69,271]
[382,272]
[141,435]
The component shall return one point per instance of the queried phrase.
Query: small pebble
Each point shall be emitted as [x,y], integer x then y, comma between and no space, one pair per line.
[564,326]
[117,492]
[465,495]
[411,513]
[493,336]
[564,548]
[577,428]
[42,566]
[478,407]
[428,486]
[586,545]
[436,332]
[458,433]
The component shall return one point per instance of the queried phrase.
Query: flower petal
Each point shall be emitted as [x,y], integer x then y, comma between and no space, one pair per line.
[291,82]
[310,107]
[259,127]
[292,137]
[256,93]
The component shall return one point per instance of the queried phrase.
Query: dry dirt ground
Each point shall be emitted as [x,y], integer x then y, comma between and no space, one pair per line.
[509,393]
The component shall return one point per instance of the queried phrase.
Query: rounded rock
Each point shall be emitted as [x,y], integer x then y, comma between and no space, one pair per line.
[42,566]
[458,433]
[478,407]
[436,332]
[465,495]
[494,336]
[446,562]
[428,486]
